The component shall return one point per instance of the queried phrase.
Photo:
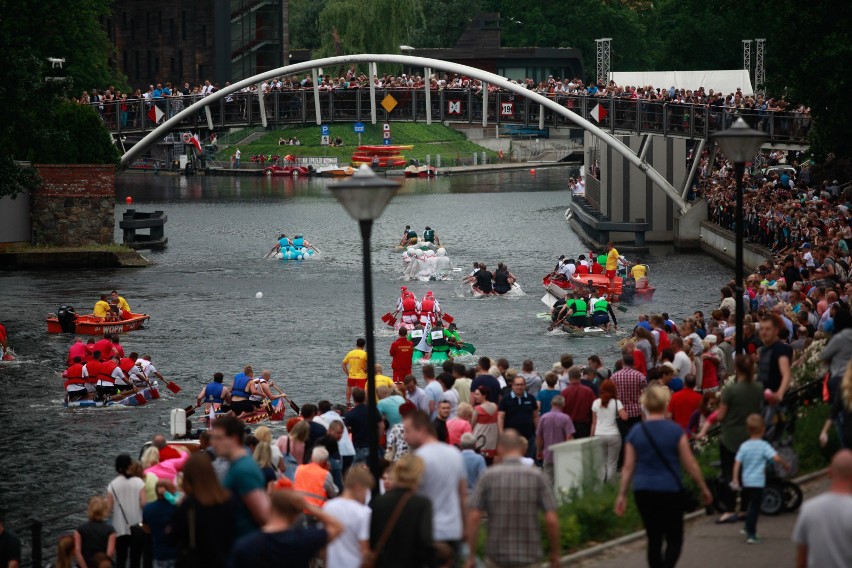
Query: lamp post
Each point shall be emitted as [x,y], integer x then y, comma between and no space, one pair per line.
[739,143]
[365,196]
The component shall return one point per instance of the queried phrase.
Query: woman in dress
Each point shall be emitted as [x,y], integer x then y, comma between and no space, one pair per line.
[485,423]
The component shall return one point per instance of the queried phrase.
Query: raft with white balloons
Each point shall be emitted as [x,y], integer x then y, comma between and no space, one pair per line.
[426,265]
[291,253]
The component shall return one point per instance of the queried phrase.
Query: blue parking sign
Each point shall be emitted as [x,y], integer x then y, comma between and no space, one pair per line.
[324,128]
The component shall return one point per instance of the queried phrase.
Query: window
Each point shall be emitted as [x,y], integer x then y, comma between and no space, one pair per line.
[200,73]
[159,22]
[136,70]
[147,25]
[150,69]
[132,31]
[172,34]
[124,62]
[172,65]
[157,66]
[124,20]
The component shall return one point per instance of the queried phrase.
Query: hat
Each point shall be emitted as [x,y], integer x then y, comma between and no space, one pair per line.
[429,293]
[806,246]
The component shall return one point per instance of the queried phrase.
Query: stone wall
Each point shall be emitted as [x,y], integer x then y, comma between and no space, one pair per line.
[75,205]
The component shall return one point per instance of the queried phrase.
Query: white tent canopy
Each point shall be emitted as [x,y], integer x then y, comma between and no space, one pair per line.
[724,81]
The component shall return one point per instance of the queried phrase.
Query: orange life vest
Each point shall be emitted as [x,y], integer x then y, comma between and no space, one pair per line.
[310,482]
[74,375]
[105,372]
[409,307]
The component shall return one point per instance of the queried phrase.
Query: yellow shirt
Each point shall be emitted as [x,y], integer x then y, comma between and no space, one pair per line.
[639,271]
[356,362]
[123,305]
[383,381]
[101,309]
[612,260]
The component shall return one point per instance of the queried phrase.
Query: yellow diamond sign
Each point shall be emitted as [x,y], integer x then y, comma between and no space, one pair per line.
[389,103]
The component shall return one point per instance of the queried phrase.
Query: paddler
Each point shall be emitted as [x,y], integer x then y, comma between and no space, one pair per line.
[430,236]
[148,369]
[241,391]
[582,265]
[578,313]
[77,349]
[611,265]
[483,280]
[639,272]
[260,389]
[439,339]
[75,383]
[123,306]
[282,245]
[503,279]
[410,308]
[410,237]
[421,345]
[602,312]
[452,333]
[102,308]
[400,352]
[214,393]
[430,309]
[4,342]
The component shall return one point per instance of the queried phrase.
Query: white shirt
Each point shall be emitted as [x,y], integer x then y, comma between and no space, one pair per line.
[568,270]
[683,364]
[809,259]
[444,471]
[345,551]
[126,492]
[606,424]
[344,446]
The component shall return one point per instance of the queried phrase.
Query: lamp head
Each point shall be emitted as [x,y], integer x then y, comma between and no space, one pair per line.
[365,195]
[739,143]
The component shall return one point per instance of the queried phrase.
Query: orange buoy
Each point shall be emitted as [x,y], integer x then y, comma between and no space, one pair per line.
[128,200]
[532,172]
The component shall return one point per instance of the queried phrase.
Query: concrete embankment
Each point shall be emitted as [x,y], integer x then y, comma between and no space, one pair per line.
[721,244]
[71,259]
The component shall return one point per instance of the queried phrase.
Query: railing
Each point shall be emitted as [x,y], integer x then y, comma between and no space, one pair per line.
[33,543]
[462,106]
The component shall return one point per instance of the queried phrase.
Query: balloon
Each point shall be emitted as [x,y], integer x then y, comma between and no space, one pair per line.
[299,257]
[128,200]
[304,250]
[532,171]
[279,255]
[259,295]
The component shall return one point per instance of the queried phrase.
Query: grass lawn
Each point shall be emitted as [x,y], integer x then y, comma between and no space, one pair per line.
[427,140]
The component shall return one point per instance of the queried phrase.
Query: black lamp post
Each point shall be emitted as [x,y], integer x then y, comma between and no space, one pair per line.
[739,143]
[365,196]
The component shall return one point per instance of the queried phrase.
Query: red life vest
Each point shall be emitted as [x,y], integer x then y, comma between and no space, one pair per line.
[582,269]
[126,364]
[427,305]
[74,375]
[105,373]
[409,307]
[94,369]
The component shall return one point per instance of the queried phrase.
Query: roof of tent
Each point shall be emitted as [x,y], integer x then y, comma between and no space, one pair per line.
[726,81]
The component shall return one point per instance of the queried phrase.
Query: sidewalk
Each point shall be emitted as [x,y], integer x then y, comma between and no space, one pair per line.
[709,544]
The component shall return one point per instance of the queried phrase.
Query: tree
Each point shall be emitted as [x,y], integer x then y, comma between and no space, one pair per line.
[305,23]
[378,26]
[444,21]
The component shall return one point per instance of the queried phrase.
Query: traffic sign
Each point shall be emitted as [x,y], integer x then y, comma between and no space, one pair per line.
[598,113]
[324,129]
[387,141]
[359,127]
[325,140]
[386,127]
[386,135]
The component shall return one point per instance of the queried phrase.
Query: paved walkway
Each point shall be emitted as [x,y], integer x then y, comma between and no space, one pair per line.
[709,544]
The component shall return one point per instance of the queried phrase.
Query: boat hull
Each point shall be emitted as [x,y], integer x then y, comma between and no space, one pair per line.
[91,325]
[600,283]
[150,393]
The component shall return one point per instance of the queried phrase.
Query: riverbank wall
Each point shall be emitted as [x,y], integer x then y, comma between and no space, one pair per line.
[70,259]
[721,244]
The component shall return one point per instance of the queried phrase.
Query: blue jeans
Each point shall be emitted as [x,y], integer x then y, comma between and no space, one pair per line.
[335,466]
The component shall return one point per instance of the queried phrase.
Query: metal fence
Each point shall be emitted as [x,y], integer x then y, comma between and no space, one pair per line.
[459,106]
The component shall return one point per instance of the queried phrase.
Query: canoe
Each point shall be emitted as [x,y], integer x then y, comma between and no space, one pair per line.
[263,415]
[421,171]
[561,288]
[336,171]
[150,393]
[91,325]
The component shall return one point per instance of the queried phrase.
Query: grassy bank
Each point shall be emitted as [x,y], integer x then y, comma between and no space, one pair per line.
[427,140]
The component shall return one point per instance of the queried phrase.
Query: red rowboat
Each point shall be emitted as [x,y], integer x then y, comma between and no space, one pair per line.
[560,288]
[91,325]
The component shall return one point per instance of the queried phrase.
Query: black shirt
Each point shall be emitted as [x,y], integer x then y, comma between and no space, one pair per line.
[331,445]
[94,538]
[492,384]
[441,431]
[792,275]
[260,549]
[520,413]
[483,280]
[10,548]
[769,373]
[358,423]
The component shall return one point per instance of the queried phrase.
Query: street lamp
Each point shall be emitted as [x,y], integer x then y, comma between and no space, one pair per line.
[739,143]
[365,196]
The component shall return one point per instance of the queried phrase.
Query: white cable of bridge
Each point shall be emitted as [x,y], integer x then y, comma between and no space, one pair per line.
[489,78]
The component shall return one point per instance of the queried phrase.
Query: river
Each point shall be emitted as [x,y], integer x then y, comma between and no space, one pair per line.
[205,317]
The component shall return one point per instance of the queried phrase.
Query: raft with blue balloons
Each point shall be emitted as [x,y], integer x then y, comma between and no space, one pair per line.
[292,253]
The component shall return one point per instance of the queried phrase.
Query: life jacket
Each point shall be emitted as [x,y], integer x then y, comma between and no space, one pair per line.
[126,364]
[105,372]
[439,342]
[601,307]
[427,306]
[580,308]
[409,306]
[213,393]
[597,268]
[429,236]
[284,243]
[310,482]
[411,235]
[74,375]
[298,242]
[93,368]
[241,385]
[582,269]
[415,336]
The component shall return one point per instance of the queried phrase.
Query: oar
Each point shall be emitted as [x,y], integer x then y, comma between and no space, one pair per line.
[389,319]
[621,308]
[467,347]
[173,387]
[554,325]
[293,405]
[190,410]
[448,318]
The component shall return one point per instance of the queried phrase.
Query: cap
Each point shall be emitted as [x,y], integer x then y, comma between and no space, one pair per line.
[806,246]
[429,292]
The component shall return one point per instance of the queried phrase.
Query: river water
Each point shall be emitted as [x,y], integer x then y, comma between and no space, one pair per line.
[205,317]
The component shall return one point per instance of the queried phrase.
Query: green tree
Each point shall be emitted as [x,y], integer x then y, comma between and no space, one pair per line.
[378,26]
[305,23]
[77,136]
[444,21]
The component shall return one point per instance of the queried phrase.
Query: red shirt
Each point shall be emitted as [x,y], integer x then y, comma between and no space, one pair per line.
[118,349]
[105,347]
[3,335]
[126,364]
[169,453]
[77,350]
[90,349]
[578,403]
[639,362]
[400,352]
[682,406]
[93,369]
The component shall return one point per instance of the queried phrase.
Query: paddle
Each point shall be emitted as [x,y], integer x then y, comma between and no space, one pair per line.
[467,347]
[140,398]
[293,405]
[389,319]
[190,410]
[621,308]
[448,318]
[173,387]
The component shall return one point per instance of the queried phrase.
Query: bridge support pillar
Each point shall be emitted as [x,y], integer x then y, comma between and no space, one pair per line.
[373,74]
[261,105]
[317,108]
[426,74]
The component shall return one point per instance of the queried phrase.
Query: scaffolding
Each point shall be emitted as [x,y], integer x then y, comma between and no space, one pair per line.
[604,50]
[759,69]
[747,56]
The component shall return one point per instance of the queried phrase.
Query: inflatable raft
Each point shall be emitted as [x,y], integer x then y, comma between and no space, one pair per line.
[140,398]
[625,291]
[291,253]
[513,291]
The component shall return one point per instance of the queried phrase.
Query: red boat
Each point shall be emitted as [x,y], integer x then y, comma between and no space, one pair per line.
[291,171]
[382,150]
[599,282]
[384,161]
[420,171]
[92,325]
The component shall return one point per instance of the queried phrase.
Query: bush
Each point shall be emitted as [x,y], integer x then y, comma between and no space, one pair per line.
[588,517]
[76,135]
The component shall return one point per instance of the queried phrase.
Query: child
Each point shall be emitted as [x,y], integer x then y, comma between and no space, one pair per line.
[546,394]
[751,461]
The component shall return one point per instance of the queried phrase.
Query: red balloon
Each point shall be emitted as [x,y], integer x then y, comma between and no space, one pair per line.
[128,200]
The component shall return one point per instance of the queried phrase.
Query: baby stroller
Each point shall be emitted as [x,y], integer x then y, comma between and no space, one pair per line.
[780,494]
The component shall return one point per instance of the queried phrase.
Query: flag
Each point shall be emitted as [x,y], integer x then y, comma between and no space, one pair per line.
[196,142]
[424,346]
[155,114]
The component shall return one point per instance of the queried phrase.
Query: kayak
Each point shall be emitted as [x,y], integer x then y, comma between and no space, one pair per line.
[421,171]
[335,171]
[515,290]
[264,413]
[140,398]
[384,162]
[561,288]
[578,332]
[92,325]
[439,357]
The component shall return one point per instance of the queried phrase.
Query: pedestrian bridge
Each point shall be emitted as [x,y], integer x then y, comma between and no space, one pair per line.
[521,117]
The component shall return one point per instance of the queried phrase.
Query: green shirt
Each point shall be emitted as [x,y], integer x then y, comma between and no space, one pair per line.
[244,476]
[742,400]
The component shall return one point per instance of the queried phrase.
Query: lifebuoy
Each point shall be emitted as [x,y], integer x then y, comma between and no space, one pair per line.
[269,171]
[186,137]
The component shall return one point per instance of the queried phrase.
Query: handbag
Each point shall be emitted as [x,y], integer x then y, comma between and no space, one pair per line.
[371,558]
[138,534]
[688,500]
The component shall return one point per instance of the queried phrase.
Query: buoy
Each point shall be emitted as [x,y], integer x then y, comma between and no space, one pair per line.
[532,171]
[259,295]
[128,200]
[279,255]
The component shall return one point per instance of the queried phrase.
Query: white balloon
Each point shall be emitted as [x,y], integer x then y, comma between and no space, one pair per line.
[259,295]
[299,257]
[279,255]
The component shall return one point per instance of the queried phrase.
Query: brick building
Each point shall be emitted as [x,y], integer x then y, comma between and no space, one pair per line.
[197,40]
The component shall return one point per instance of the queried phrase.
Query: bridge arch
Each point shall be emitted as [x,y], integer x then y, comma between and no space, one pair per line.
[490,78]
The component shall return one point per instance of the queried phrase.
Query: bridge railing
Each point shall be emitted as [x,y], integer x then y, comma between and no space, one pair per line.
[298,108]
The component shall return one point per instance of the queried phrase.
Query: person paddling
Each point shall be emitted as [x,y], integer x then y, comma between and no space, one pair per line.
[283,243]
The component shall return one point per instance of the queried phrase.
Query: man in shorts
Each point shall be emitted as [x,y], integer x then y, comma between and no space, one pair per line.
[611,265]
[355,367]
